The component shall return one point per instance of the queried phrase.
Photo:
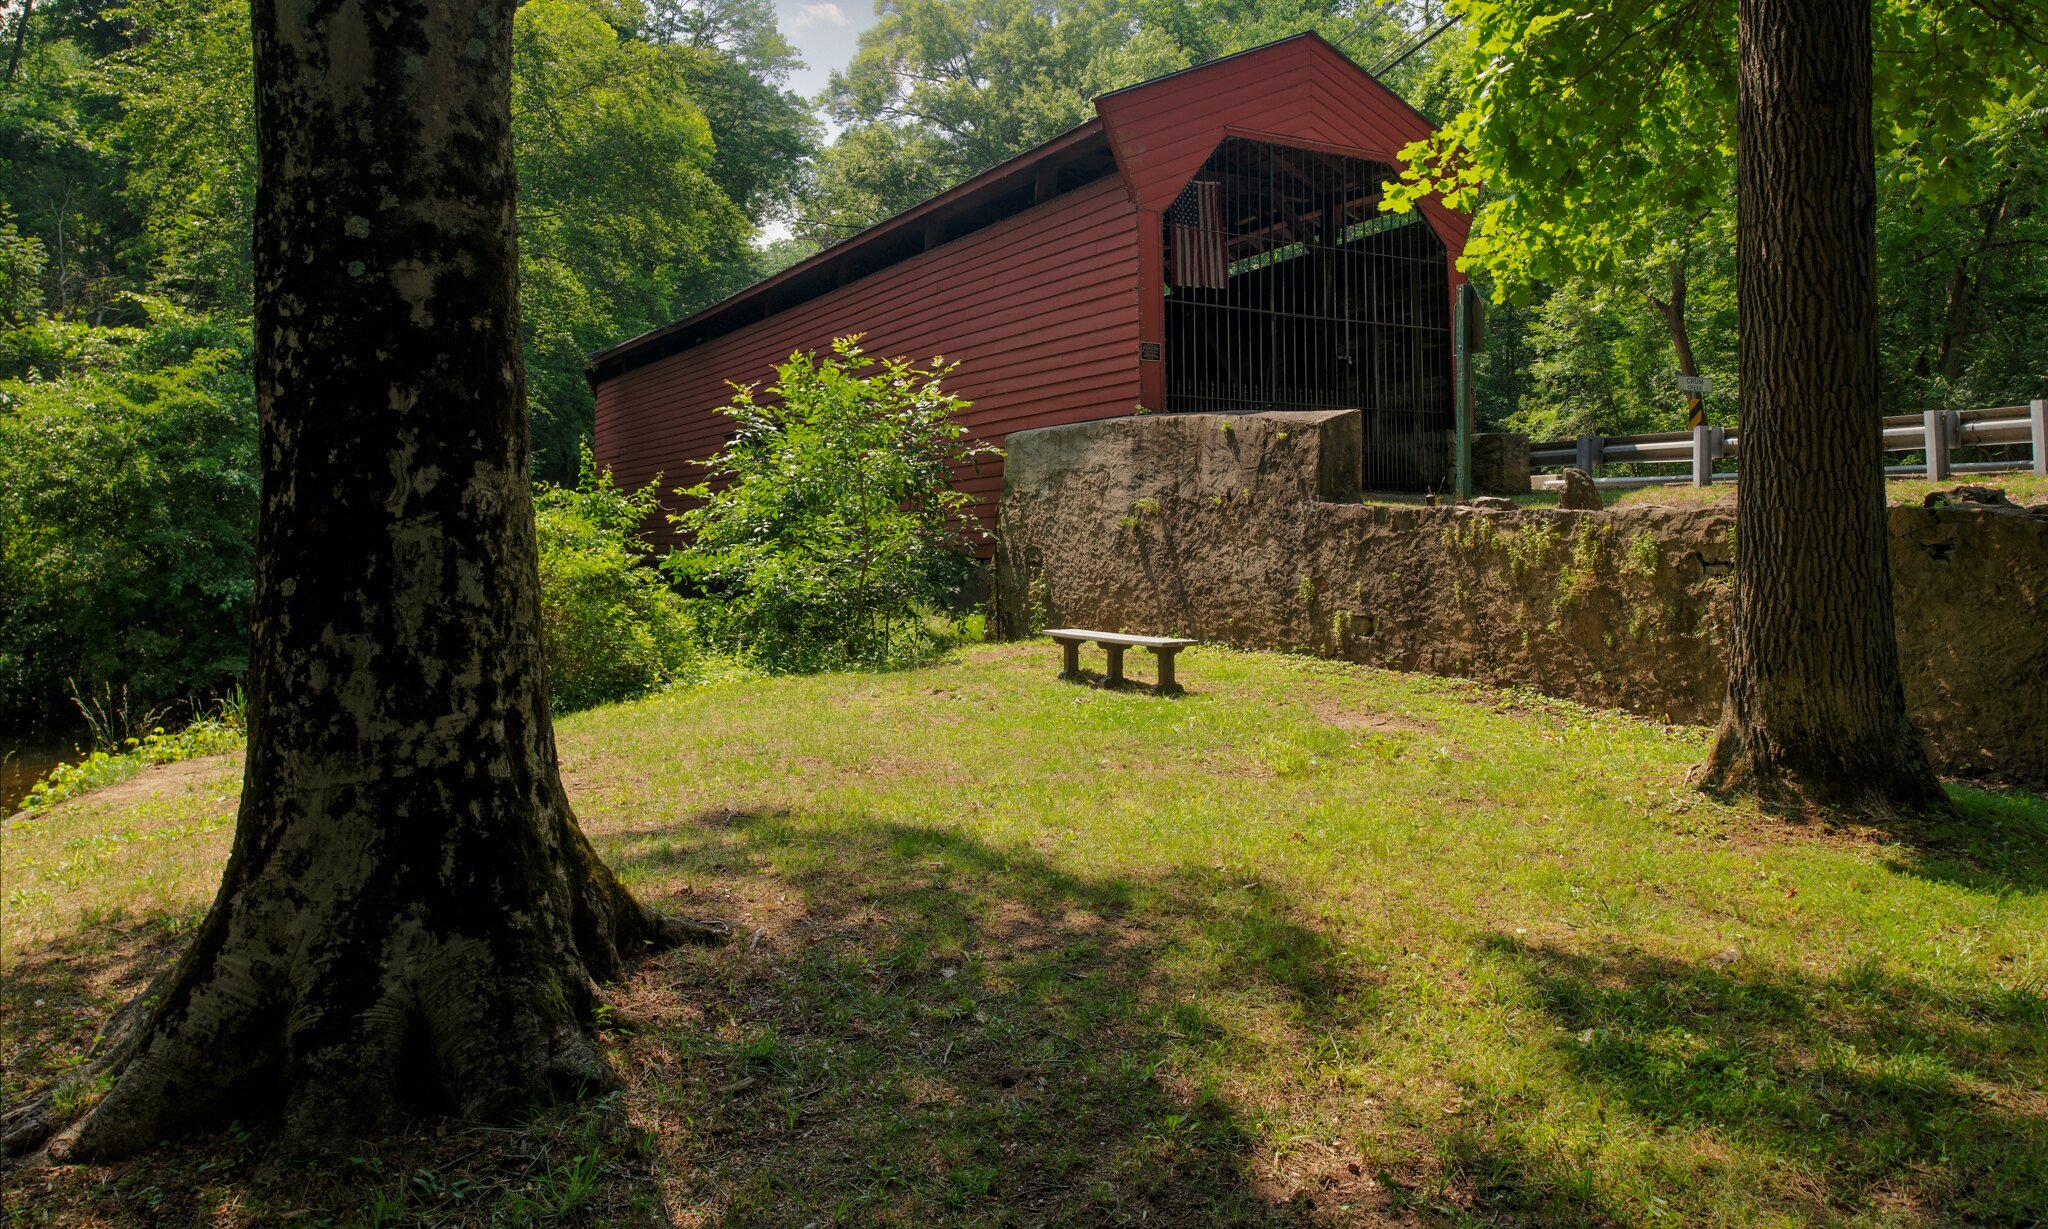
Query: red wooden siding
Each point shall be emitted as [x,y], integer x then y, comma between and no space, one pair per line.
[1301,88]
[1043,310]
[1040,310]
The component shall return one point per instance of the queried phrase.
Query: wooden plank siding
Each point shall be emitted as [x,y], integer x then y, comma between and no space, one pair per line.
[1040,310]
[1301,89]
[1044,310]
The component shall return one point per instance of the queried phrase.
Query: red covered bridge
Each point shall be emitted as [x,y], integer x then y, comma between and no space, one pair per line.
[1210,241]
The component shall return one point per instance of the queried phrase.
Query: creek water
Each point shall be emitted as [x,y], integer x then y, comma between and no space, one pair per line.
[26,755]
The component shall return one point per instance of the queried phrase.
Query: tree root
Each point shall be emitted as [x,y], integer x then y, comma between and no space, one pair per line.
[1882,795]
[341,1033]
[706,932]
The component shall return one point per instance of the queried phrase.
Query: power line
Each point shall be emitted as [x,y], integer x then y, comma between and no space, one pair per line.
[1414,47]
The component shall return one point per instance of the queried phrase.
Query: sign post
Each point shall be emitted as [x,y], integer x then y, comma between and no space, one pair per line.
[1706,443]
[1695,389]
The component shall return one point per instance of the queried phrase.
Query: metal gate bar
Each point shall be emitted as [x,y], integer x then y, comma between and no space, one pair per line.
[1288,289]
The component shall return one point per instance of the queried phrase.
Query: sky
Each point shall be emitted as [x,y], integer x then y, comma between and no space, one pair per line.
[825,34]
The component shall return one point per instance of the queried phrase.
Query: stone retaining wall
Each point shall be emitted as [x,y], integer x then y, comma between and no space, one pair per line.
[1248,530]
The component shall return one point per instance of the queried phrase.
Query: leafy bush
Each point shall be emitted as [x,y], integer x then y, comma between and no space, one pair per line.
[830,527]
[127,501]
[22,261]
[610,628]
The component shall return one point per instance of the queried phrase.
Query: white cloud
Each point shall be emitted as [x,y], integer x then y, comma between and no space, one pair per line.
[812,16]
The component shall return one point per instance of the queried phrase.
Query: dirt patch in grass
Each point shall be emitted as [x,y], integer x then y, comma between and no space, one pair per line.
[1349,716]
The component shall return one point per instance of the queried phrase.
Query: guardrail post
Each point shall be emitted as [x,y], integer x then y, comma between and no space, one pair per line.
[1935,432]
[1704,448]
[2039,415]
[1589,453]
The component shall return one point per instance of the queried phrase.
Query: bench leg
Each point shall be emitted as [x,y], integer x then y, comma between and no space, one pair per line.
[1070,659]
[1116,663]
[1165,685]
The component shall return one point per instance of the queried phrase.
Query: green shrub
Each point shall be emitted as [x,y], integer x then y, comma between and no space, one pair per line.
[127,500]
[610,628]
[830,529]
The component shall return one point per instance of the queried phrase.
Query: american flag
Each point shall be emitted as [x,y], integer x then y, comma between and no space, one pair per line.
[1201,249]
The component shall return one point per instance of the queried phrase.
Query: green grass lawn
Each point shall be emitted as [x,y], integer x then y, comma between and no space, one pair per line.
[1313,944]
[2024,489]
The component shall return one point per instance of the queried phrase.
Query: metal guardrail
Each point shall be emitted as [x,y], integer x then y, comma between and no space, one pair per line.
[1937,433]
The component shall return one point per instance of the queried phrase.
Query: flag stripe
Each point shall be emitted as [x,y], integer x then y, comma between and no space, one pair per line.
[1201,248]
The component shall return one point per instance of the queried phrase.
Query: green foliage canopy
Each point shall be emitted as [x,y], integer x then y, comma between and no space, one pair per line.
[618,201]
[1591,137]
[650,139]
[127,495]
[943,89]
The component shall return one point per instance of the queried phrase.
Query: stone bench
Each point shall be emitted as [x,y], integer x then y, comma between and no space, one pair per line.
[1071,639]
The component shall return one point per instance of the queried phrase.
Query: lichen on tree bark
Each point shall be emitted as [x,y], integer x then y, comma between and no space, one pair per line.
[410,911]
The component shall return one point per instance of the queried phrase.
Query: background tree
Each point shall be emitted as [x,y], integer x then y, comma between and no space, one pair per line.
[1596,151]
[943,89]
[651,141]
[1570,176]
[186,133]
[410,908]
[1584,135]
[619,202]
[1963,294]
[127,489]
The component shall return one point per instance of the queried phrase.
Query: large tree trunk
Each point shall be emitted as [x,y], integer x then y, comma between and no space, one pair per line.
[410,911]
[1815,712]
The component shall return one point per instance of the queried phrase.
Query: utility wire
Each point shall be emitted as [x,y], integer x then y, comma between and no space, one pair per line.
[1414,47]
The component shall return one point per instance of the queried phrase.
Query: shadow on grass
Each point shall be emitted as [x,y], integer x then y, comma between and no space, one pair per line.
[935,1030]
[1992,841]
[1864,1092]
[574,1164]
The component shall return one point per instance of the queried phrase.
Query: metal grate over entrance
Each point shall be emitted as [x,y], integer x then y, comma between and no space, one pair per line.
[1288,289]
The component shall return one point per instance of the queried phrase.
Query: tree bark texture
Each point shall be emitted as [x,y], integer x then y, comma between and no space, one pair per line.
[1815,711]
[410,911]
